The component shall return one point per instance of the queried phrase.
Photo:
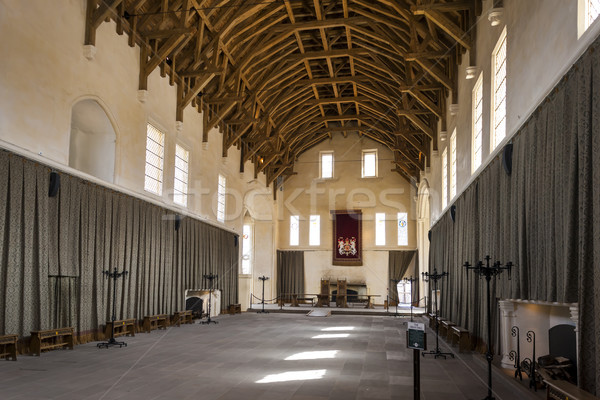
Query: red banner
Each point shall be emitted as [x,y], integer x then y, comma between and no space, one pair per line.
[347,237]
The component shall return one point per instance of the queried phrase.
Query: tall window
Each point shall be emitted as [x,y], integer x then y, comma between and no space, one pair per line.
[294,230]
[221,190]
[314,232]
[499,91]
[326,164]
[155,154]
[445,178]
[477,113]
[180,187]
[402,229]
[380,229]
[369,163]
[453,165]
[247,249]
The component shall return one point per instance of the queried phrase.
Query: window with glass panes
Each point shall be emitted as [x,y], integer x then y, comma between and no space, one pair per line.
[402,229]
[180,186]
[499,91]
[326,165]
[314,231]
[294,230]
[380,229]
[445,178]
[453,165]
[221,190]
[369,163]
[155,154]
[477,124]
[247,245]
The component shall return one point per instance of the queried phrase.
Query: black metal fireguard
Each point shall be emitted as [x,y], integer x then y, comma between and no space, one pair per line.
[516,355]
[531,362]
[112,342]
[488,271]
[436,277]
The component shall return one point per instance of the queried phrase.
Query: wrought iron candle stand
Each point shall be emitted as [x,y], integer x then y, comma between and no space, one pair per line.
[436,277]
[488,271]
[112,342]
[263,279]
[210,278]
[397,297]
[411,280]
[516,355]
[531,361]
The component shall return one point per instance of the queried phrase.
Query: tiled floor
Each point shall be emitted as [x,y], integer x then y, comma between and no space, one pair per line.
[255,356]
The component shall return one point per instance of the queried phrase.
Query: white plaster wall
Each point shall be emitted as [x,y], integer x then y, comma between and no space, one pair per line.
[542,44]
[305,194]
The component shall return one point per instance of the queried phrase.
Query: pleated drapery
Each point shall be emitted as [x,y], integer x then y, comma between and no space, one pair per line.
[544,218]
[398,263]
[290,272]
[53,251]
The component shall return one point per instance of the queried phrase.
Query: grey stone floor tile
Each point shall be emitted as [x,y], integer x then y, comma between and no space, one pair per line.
[226,361]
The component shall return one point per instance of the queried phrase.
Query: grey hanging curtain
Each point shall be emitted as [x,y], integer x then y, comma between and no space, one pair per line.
[290,272]
[53,251]
[23,245]
[544,218]
[397,266]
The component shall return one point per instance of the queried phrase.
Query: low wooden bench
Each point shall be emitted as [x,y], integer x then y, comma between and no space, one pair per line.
[8,347]
[563,390]
[152,322]
[296,299]
[51,339]
[460,336]
[445,331]
[182,317]
[431,317]
[122,327]
[235,309]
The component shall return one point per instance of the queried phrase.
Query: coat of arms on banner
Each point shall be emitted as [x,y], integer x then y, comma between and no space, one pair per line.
[347,247]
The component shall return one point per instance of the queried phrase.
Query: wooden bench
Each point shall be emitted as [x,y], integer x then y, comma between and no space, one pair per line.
[445,329]
[182,317]
[235,309]
[51,339]
[460,336]
[152,322]
[8,347]
[563,390]
[122,327]
[431,317]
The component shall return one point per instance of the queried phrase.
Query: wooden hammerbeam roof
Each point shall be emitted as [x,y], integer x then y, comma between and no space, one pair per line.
[279,76]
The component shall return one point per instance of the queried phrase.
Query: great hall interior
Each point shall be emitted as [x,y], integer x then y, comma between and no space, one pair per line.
[270,199]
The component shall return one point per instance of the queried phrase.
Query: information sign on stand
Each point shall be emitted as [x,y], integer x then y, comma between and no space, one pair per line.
[416,340]
[415,336]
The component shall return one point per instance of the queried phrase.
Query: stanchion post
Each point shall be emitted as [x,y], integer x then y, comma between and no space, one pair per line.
[263,279]
[112,342]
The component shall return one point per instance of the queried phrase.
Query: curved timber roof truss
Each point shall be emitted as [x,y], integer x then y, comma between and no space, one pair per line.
[279,76]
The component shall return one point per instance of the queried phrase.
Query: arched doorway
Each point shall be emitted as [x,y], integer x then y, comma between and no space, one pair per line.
[423,226]
[92,142]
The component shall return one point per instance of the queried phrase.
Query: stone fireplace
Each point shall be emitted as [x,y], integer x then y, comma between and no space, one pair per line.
[538,316]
